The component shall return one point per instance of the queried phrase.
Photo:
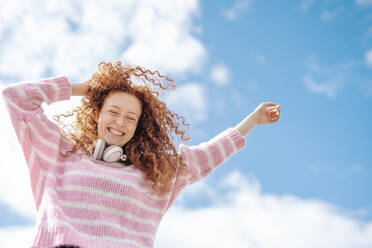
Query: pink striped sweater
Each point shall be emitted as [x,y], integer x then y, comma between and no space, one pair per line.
[90,203]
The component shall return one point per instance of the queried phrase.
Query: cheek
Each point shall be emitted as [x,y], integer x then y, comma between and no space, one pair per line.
[102,122]
[99,127]
[133,127]
[104,119]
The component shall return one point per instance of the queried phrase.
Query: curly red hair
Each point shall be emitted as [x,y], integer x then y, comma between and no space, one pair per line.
[152,148]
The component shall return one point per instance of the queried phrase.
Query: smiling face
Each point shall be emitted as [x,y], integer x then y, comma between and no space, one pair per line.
[119,117]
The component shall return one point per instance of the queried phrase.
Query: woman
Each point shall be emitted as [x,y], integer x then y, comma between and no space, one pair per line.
[84,201]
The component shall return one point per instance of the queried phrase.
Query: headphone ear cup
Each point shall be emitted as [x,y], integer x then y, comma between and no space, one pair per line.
[99,148]
[112,153]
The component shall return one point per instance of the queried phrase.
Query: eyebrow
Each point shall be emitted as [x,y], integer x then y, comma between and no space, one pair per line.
[119,108]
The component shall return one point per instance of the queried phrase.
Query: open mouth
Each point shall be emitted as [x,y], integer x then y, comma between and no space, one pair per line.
[115,132]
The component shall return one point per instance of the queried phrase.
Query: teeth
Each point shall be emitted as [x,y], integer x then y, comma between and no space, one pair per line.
[115,132]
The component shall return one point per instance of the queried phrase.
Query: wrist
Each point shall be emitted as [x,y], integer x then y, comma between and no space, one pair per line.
[245,126]
[79,89]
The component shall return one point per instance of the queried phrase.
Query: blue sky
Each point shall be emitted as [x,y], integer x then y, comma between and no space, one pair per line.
[310,170]
[316,69]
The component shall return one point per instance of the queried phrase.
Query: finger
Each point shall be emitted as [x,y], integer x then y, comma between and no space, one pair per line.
[274,114]
[273,106]
[275,118]
[270,108]
[269,104]
[273,110]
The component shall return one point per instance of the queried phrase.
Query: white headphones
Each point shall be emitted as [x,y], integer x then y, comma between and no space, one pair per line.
[111,154]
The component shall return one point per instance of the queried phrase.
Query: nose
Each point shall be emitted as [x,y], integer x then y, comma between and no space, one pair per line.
[119,121]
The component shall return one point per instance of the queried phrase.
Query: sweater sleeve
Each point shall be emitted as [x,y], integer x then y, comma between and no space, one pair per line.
[40,138]
[204,158]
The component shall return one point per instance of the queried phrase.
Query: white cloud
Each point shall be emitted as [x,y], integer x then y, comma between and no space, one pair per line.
[326,87]
[71,37]
[200,190]
[220,74]
[364,2]
[17,236]
[232,13]
[329,79]
[368,58]
[167,44]
[245,217]
[189,100]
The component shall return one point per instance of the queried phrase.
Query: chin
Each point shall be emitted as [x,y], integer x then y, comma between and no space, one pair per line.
[114,143]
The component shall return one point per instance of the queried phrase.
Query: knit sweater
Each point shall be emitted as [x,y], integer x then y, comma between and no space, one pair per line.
[90,203]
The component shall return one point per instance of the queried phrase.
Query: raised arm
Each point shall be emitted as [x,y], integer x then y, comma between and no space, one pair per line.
[23,101]
[202,159]
[35,132]
[39,137]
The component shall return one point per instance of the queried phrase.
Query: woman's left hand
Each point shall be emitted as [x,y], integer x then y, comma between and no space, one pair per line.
[267,113]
